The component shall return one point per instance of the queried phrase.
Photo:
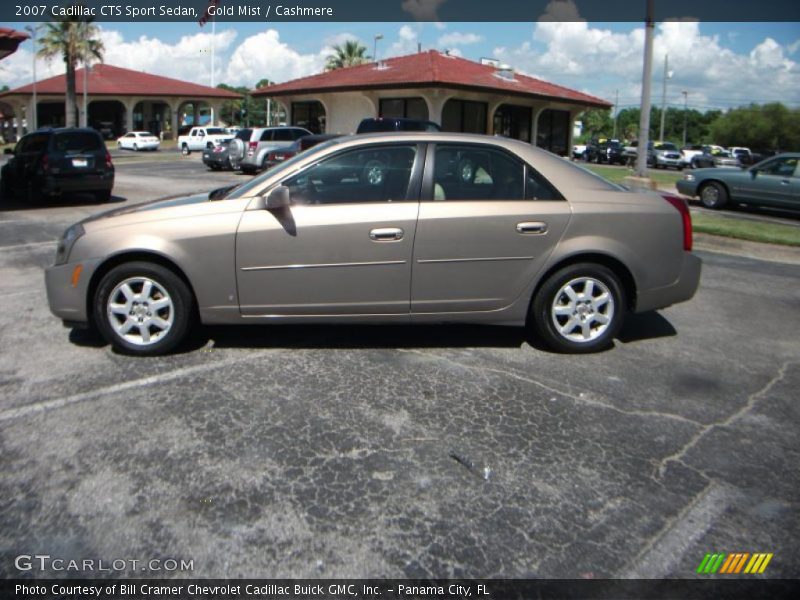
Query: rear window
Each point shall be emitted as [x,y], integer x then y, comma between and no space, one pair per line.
[76,141]
[216,131]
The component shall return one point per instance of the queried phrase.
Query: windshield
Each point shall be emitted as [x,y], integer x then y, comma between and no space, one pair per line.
[246,189]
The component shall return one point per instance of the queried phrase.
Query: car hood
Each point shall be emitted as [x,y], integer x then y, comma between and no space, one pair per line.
[173,206]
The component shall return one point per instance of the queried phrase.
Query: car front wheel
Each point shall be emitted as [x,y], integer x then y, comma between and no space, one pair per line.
[713,195]
[579,309]
[143,309]
[185,150]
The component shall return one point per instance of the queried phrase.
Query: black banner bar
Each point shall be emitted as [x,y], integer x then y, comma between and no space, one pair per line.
[387,589]
[268,11]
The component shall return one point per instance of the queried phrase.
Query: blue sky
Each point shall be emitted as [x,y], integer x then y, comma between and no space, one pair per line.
[719,64]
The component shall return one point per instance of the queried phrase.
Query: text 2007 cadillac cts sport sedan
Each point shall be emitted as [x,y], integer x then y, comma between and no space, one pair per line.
[385,228]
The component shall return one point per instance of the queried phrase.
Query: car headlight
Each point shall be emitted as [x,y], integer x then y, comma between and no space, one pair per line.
[688,177]
[67,241]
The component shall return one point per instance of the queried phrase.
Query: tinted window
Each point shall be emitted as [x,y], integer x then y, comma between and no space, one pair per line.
[78,141]
[244,135]
[298,133]
[33,143]
[377,125]
[281,135]
[375,174]
[477,173]
[266,135]
[215,131]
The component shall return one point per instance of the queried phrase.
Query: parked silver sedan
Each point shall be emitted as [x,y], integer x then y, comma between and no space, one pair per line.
[386,228]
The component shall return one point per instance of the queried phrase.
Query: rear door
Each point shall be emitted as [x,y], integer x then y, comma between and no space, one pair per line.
[487,224]
[344,246]
[77,153]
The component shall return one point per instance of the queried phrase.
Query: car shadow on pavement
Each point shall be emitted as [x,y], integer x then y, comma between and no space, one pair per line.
[645,326]
[66,201]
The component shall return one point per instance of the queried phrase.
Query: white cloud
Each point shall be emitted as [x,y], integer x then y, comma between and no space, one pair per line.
[576,54]
[265,55]
[459,39]
[407,40]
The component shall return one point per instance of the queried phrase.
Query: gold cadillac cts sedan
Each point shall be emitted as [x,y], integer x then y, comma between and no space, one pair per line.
[386,228]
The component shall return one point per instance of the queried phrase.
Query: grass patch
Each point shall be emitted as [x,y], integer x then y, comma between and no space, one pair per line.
[616,175]
[746,229]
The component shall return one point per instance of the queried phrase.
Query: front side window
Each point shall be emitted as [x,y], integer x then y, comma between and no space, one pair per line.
[372,174]
[783,167]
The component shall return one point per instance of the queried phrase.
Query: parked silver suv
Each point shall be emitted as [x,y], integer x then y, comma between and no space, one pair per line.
[258,148]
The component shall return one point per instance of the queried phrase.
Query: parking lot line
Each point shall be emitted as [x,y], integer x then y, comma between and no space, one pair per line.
[47,405]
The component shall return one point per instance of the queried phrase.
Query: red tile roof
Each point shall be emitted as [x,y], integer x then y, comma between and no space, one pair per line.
[425,69]
[107,80]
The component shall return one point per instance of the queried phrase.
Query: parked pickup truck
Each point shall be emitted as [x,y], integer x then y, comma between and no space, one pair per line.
[202,137]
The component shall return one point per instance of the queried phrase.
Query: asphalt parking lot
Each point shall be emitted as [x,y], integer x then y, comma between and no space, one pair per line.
[452,451]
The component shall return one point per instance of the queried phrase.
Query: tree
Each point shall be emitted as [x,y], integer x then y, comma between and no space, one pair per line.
[597,123]
[264,83]
[349,54]
[760,127]
[75,40]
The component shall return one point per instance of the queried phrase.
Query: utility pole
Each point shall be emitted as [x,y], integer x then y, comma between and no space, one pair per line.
[85,103]
[616,112]
[667,75]
[647,73]
[685,109]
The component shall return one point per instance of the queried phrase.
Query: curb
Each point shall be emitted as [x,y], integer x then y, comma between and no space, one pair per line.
[755,250]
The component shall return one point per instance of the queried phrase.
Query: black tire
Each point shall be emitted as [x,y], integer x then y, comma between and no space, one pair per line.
[103,196]
[248,170]
[549,301]
[136,147]
[713,195]
[181,310]
[185,150]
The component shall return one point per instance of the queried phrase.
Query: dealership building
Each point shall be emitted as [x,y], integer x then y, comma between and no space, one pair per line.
[118,100]
[459,94]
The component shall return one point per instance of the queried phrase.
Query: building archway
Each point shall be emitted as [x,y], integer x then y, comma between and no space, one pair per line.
[553,131]
[50,114]
[513,121]
[154,116]
[108,117]
[193,113]
[311,115]
[464,116]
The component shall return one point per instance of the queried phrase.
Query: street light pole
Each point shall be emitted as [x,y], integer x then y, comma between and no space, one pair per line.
[667,75]
[378,36]
[647,73]
[33,118]
[685,109]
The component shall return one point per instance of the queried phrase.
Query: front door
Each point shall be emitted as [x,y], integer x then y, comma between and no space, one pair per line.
[344,246]
[487,228]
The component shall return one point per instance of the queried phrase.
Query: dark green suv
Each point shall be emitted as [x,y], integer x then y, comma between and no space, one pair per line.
[52,162]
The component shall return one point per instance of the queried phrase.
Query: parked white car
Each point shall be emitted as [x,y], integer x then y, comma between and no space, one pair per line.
[200,138]
[138,140]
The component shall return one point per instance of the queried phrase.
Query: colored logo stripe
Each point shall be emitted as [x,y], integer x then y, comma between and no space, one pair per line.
[733,563]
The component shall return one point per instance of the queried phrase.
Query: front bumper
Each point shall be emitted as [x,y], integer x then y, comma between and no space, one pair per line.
[67,301]
[681,290]
[687,188]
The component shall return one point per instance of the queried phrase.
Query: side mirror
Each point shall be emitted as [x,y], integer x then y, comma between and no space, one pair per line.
[8,151]
[280,197]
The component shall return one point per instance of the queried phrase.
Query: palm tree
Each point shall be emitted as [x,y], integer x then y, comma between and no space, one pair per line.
[76,41]
[349,54]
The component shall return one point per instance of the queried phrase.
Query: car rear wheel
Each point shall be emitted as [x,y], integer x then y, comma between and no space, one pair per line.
[143,309]
[713,195]
[185,150]
[136,147]
[579,309]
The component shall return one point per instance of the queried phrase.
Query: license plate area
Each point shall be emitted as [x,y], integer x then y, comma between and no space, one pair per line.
[80,163]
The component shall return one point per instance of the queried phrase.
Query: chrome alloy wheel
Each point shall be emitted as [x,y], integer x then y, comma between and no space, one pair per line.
[582,309]
[710,195]
[140,311]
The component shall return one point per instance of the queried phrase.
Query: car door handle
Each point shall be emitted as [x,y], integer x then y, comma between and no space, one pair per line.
[387,234]
[532,228]
[785,182]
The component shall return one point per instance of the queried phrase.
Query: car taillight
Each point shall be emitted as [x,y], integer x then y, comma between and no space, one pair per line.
[109,164]
[683,208]
[218,149]
[251,148]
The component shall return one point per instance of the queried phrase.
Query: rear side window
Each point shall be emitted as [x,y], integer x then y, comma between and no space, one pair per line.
[76,141]
[298,133]
[266,135]
[33,143]
[244,135]
[282,135]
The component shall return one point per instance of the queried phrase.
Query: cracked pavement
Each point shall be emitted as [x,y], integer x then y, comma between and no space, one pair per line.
[309,451]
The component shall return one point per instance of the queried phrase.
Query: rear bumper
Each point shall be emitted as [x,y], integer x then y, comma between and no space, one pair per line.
[66,301]
[681,290]
[93,182]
